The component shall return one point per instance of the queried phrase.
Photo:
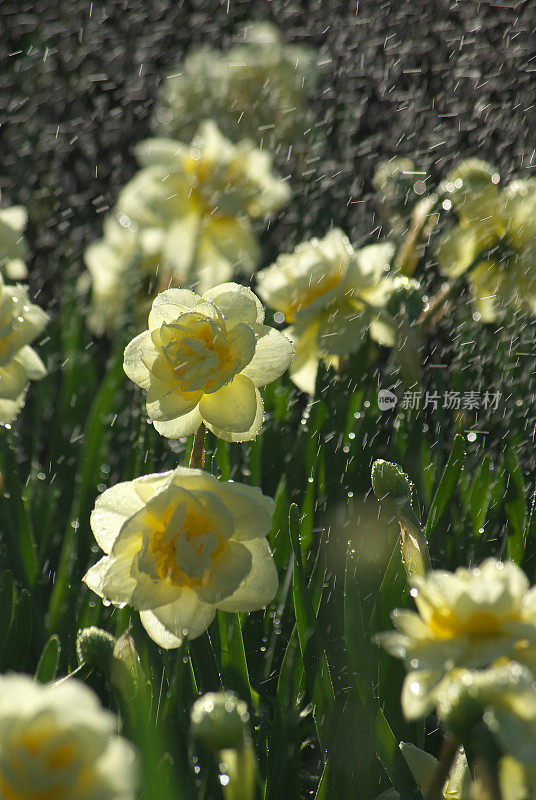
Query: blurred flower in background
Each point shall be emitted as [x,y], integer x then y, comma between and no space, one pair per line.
[495,238]
[58,741]
[185,219]
[259,89]
[20,322]
[13,248]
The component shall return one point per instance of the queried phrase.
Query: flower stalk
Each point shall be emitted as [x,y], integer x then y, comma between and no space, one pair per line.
[197,456]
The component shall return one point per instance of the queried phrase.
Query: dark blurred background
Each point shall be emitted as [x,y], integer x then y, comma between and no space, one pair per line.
[429,79]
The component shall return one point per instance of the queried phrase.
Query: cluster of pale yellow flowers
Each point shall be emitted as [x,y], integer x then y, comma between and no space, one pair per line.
[181,544]
[494,240]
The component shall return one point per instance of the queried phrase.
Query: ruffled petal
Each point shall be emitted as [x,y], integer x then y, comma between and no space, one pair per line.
[169,625]
[226,573]
[232,408]
[273,354]
[180,426]
[237,304]
[260,586]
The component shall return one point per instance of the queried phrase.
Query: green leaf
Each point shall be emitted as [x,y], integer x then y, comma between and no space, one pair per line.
[480,495]
[49,661]
[233,656]
[6,606]
[515,507]
[74,539]
[15,653]
[393,761]
[15,504]
[317,672]
[447,485]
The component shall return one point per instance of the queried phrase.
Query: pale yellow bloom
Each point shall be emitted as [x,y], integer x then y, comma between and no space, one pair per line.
[466,619]
[332,295]
[501,222]
[56,741]
[258,88]
[202,197]
[20,322]
[121,266]
[203,359]
[13,248]
[179,545]
[185,219]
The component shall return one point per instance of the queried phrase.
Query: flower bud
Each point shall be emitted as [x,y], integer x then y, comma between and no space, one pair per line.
[95,648]
[220,720]
[389,481]
[472,188]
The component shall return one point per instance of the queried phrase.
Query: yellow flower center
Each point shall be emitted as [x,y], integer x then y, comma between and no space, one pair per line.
[184,555]
[34,757]
[212,185]
[203,356]
[444,624]
[304,296]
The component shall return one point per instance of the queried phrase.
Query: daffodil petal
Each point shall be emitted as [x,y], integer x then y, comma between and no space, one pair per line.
[112,508]
[169,305]
[13,379]
[187,617]
[180,426]
[140,355]
[273,355]
[32,364]
[227,572]
[260,586]
[237,304]
[166,402]
[243,436]
[10,408]
[232,408]
[247,503]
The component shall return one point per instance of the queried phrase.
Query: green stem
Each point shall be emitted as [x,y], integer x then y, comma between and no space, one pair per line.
[197,457]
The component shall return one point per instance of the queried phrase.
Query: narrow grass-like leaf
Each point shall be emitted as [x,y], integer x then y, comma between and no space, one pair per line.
[447,485]
[89,471]
[480,494]
[18,640]
[515,507]
[49,661]
[529,536]
[393,761]
[314,656]
[6,606]
[233,657]
[16,506]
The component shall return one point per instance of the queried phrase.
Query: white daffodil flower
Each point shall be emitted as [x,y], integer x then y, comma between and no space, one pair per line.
[331,295]
[466,619]
[203,359]
[57,741]
[178,546]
